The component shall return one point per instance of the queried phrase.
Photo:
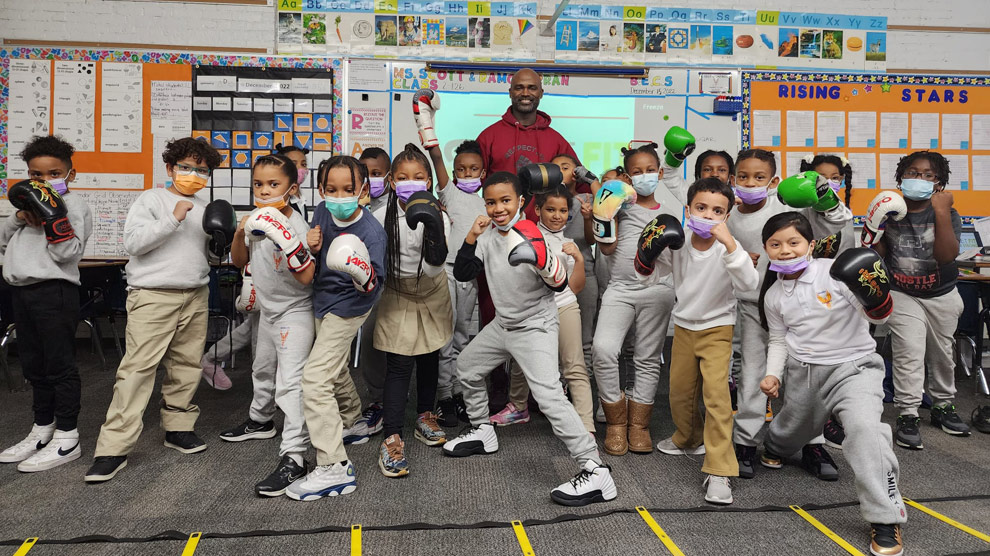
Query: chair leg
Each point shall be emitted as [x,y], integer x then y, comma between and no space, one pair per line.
[14,384]
[116,337]
[94,336]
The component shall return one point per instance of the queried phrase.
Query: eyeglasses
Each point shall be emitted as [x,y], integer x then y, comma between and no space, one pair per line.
[184,170]
[913,174]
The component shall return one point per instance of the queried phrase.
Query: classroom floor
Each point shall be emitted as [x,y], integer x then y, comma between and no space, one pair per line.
[162,490]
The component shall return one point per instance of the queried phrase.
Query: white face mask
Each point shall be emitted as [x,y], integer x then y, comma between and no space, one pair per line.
[512,221]
[646,184]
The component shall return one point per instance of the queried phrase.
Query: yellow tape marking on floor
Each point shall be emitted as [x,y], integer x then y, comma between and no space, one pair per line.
[664,538]
[949,520]
[826,531]
[192,543]
[356,540]
[26,546]
[527,549]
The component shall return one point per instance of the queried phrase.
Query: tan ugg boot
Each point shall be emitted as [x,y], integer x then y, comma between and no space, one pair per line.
[615,431]
[639,427]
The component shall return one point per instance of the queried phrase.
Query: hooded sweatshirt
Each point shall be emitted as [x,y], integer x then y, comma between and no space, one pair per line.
[507,145]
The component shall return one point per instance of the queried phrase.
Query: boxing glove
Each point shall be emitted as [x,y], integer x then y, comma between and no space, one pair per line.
[614,195]
[348,254]
[266,222]
[40,199]
[678,144]
[220,223]
[526,245]
[863,272]
[807,189]
[425,104]
[662,232]
[540,178]
[584,175]
[247,302]
[827,247]
[887,204]
[422,207]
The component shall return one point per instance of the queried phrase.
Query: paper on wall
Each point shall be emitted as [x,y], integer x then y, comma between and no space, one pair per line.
[766,128]
[74,104]
[864,170]
[122,104]
[955,131]
[862,130]
[893,130]
[924,130]
[28,109]
[800,128]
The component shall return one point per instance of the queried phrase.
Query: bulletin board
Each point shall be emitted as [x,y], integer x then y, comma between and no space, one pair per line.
[118,108]
[874,120]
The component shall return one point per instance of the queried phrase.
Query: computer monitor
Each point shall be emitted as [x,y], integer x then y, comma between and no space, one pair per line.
[969,239]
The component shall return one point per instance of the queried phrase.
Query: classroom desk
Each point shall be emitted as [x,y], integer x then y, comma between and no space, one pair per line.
[982,282]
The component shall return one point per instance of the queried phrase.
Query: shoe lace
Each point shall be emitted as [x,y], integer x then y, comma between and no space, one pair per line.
[394,451]
[887,534]
[430,420]
[582,477]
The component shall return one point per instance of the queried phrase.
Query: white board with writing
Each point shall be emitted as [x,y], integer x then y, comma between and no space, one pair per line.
[109,214]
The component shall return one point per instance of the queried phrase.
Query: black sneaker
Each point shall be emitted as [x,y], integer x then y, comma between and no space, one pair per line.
[447,412]
[249,430]
[816,461]
[945,417]
[105,468]
[184,441]
[908,433]
[981,418]
[747,461]
[771,460]
[834,433]
[462,413]
[886,540]
[286,472]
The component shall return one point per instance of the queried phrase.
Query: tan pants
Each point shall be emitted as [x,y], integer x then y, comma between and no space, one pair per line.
[699,369]
[330,400]
[163,326]
[571,352]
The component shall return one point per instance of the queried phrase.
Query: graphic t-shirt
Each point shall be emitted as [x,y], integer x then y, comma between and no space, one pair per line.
[911,255]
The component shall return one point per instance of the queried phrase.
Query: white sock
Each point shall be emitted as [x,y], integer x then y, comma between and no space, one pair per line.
[297,458]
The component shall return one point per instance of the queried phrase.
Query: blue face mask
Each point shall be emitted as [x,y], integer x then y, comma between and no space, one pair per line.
[917,189]
[341,208]
[646,184]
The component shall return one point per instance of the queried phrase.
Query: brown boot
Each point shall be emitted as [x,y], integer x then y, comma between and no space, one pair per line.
[615,431]
[639,427]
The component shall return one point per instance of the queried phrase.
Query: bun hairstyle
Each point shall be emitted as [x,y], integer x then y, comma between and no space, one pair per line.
[627,153]
[412,153]
[810,162]
[776,223]
[280,161]
[559,191]
[286,149]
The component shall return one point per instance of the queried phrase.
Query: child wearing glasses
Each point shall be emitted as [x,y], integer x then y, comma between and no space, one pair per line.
[167,278]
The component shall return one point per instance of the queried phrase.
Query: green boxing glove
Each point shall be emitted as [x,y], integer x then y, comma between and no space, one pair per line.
[807,189]
[679,144]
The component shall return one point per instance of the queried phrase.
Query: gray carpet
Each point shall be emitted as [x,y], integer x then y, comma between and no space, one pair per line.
[213,492]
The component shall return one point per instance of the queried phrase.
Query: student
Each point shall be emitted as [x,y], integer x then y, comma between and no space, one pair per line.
[167,276]
[628,301]
[41,245]
[349,273]
[463,205]
[414,315]
[818,313]
[283,272]
[709,272]
[553,209]
[299,157]
[920,250]
[243,335]
[377,163]
[523,278]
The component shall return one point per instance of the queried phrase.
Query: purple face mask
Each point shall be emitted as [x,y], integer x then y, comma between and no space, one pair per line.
[702,227]
[377,186]
[59,185]
[789,266]
[405,188]
[469,185]
[836,185]
[751,195]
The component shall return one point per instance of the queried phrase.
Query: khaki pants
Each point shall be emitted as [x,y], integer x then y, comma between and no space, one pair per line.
[330,400]
[163,326]
[571,363]
[699,368]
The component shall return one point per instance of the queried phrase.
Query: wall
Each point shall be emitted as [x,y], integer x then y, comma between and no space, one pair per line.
[223,25]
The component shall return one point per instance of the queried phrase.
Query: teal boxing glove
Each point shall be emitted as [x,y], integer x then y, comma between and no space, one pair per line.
[679,144]
[807,189]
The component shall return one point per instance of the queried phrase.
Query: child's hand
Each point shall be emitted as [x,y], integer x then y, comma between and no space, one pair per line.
[755,257]
[585,205]
[314,239]
[723,236]
[29,218]
[240,225]
[480,225]
[770,386]
[182,208]
[572,250]
[942,200]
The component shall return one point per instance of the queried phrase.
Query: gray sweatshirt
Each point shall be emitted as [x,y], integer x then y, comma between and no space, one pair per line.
[27,256]
[165,253]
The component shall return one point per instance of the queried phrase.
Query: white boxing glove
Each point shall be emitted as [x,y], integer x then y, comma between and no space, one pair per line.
[425,103]
[247,302]
[347,253]
[269,222]
[887,204]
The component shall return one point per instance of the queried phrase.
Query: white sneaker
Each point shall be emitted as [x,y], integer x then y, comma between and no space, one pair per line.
[668,447]
[324,480]
[719,490]
[37,439]
[63,448]
[479,440]
[592,484]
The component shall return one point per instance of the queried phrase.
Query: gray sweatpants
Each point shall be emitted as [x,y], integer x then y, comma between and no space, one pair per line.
[751,402]
[853,392]
[934,319]
[534,347]
[464,299]
[622,306]
[587,300]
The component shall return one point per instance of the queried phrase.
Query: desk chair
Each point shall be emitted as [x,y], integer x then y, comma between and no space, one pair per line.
[969,333]
[100,287]
[7,329]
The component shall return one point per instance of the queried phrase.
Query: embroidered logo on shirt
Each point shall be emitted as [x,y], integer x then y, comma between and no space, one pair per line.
[825,298]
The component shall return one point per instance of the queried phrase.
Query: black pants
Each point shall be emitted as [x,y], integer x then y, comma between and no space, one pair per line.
[398,373]
[46,315]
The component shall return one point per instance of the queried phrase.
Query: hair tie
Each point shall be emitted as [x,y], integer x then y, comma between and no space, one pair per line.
[809,158]
[844,160]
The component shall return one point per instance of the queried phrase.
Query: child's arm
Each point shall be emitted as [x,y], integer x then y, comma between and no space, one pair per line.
[576,279]
[436,156]
[467,266]
[946,244]
[239,253]
[589,233]
[776,351]
[11,224]
[674,182]
[144,231]
[737,261]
